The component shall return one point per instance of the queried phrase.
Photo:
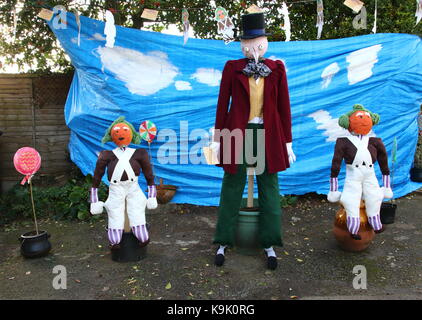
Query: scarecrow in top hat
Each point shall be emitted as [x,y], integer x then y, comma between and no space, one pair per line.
[124,166]
[260,108]
[360,152]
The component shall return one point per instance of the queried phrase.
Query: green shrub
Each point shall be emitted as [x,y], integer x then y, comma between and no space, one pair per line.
[64,202]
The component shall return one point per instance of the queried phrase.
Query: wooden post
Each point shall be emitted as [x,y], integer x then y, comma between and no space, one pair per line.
[251,172]
[127,226]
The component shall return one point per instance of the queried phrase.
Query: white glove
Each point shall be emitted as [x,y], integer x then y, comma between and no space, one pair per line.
[96,207]
[292,157]
[388,193]
[334,196]
[152,203]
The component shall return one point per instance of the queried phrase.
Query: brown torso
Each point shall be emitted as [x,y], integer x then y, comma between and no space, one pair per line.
[107,159]
[346,150]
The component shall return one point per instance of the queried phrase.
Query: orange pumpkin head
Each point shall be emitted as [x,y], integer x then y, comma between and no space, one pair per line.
[360,122]
[121,134]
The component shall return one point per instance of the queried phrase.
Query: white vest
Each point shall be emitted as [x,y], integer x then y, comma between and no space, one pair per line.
[362,165]
[123,165]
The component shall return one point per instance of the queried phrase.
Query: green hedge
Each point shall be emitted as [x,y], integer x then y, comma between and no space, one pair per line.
[66,202]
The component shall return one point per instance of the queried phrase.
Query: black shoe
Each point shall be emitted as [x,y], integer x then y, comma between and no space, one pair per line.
[114,247]
[356,236]
[143,244]
[380,230]
[272,263]
[219,260]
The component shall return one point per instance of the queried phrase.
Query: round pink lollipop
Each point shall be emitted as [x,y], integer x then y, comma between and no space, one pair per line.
[27,161]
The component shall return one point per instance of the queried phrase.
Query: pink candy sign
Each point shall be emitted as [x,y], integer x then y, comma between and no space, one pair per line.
[27,161]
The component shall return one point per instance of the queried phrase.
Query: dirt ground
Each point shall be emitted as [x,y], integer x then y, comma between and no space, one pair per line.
[179,262]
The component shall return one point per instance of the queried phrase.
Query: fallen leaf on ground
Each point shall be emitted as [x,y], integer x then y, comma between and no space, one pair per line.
[299,260]
[78,281]
[168,286]
[28,273]
[293,297]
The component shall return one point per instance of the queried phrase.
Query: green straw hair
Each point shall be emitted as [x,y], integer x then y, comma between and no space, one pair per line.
[136,138]
[343,121]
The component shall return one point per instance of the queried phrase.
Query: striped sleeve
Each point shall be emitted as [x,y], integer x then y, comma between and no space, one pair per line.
[333,184]
[93,195]
[386,181]
[152,191]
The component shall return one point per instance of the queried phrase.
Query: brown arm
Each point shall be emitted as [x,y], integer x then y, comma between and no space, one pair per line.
[100,167]
[143,159]
[337,158]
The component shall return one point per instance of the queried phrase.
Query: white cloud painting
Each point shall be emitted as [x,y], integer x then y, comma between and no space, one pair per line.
[143,74]
[208,76]
[361,63]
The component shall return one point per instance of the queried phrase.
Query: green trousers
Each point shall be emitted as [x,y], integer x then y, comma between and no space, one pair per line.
[268,199]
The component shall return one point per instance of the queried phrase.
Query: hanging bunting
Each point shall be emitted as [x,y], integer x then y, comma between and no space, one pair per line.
[320,17]
[355,5]
[224,24]
[254,9]
[418,13]
[185,20]
[374,29]
[78,22]
[45,14]
[149,14]
[110,30]
[286,26]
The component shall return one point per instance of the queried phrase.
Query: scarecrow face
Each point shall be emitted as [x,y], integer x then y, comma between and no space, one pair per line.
[121,134]
[360,122]
[254,48]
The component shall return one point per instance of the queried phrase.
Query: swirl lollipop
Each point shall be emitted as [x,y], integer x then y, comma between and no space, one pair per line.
[27,161]
[148,131]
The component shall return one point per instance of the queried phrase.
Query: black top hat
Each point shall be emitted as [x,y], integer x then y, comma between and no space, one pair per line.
[253,26]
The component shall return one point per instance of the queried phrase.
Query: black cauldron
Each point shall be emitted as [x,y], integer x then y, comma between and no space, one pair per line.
[388,212]
[35,245]
[129,250]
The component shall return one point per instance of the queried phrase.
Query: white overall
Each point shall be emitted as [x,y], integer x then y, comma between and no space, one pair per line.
[123,193]
[361,182]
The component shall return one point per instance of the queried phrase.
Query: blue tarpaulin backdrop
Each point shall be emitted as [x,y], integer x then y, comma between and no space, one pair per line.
[153,76]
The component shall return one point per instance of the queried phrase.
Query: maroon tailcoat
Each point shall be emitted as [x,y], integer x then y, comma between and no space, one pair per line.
[276,113]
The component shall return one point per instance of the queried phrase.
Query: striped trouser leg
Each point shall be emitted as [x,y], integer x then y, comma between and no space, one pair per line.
[353,224]
[141,233]
[115,236]
[375,222]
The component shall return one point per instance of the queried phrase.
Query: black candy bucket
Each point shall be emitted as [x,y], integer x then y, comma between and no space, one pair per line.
[129,250]
[388,212]
[35,245]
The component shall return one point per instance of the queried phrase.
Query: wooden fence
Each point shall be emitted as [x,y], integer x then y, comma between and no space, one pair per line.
[32,114]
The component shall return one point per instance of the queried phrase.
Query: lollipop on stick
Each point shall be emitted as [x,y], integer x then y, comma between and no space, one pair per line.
[27,161]
[148,131]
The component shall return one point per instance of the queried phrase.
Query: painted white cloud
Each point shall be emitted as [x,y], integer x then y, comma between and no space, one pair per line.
[98,36]
[143,74]
[328,74]
[330,126]
[361,63]
[183,85]
[210,77]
